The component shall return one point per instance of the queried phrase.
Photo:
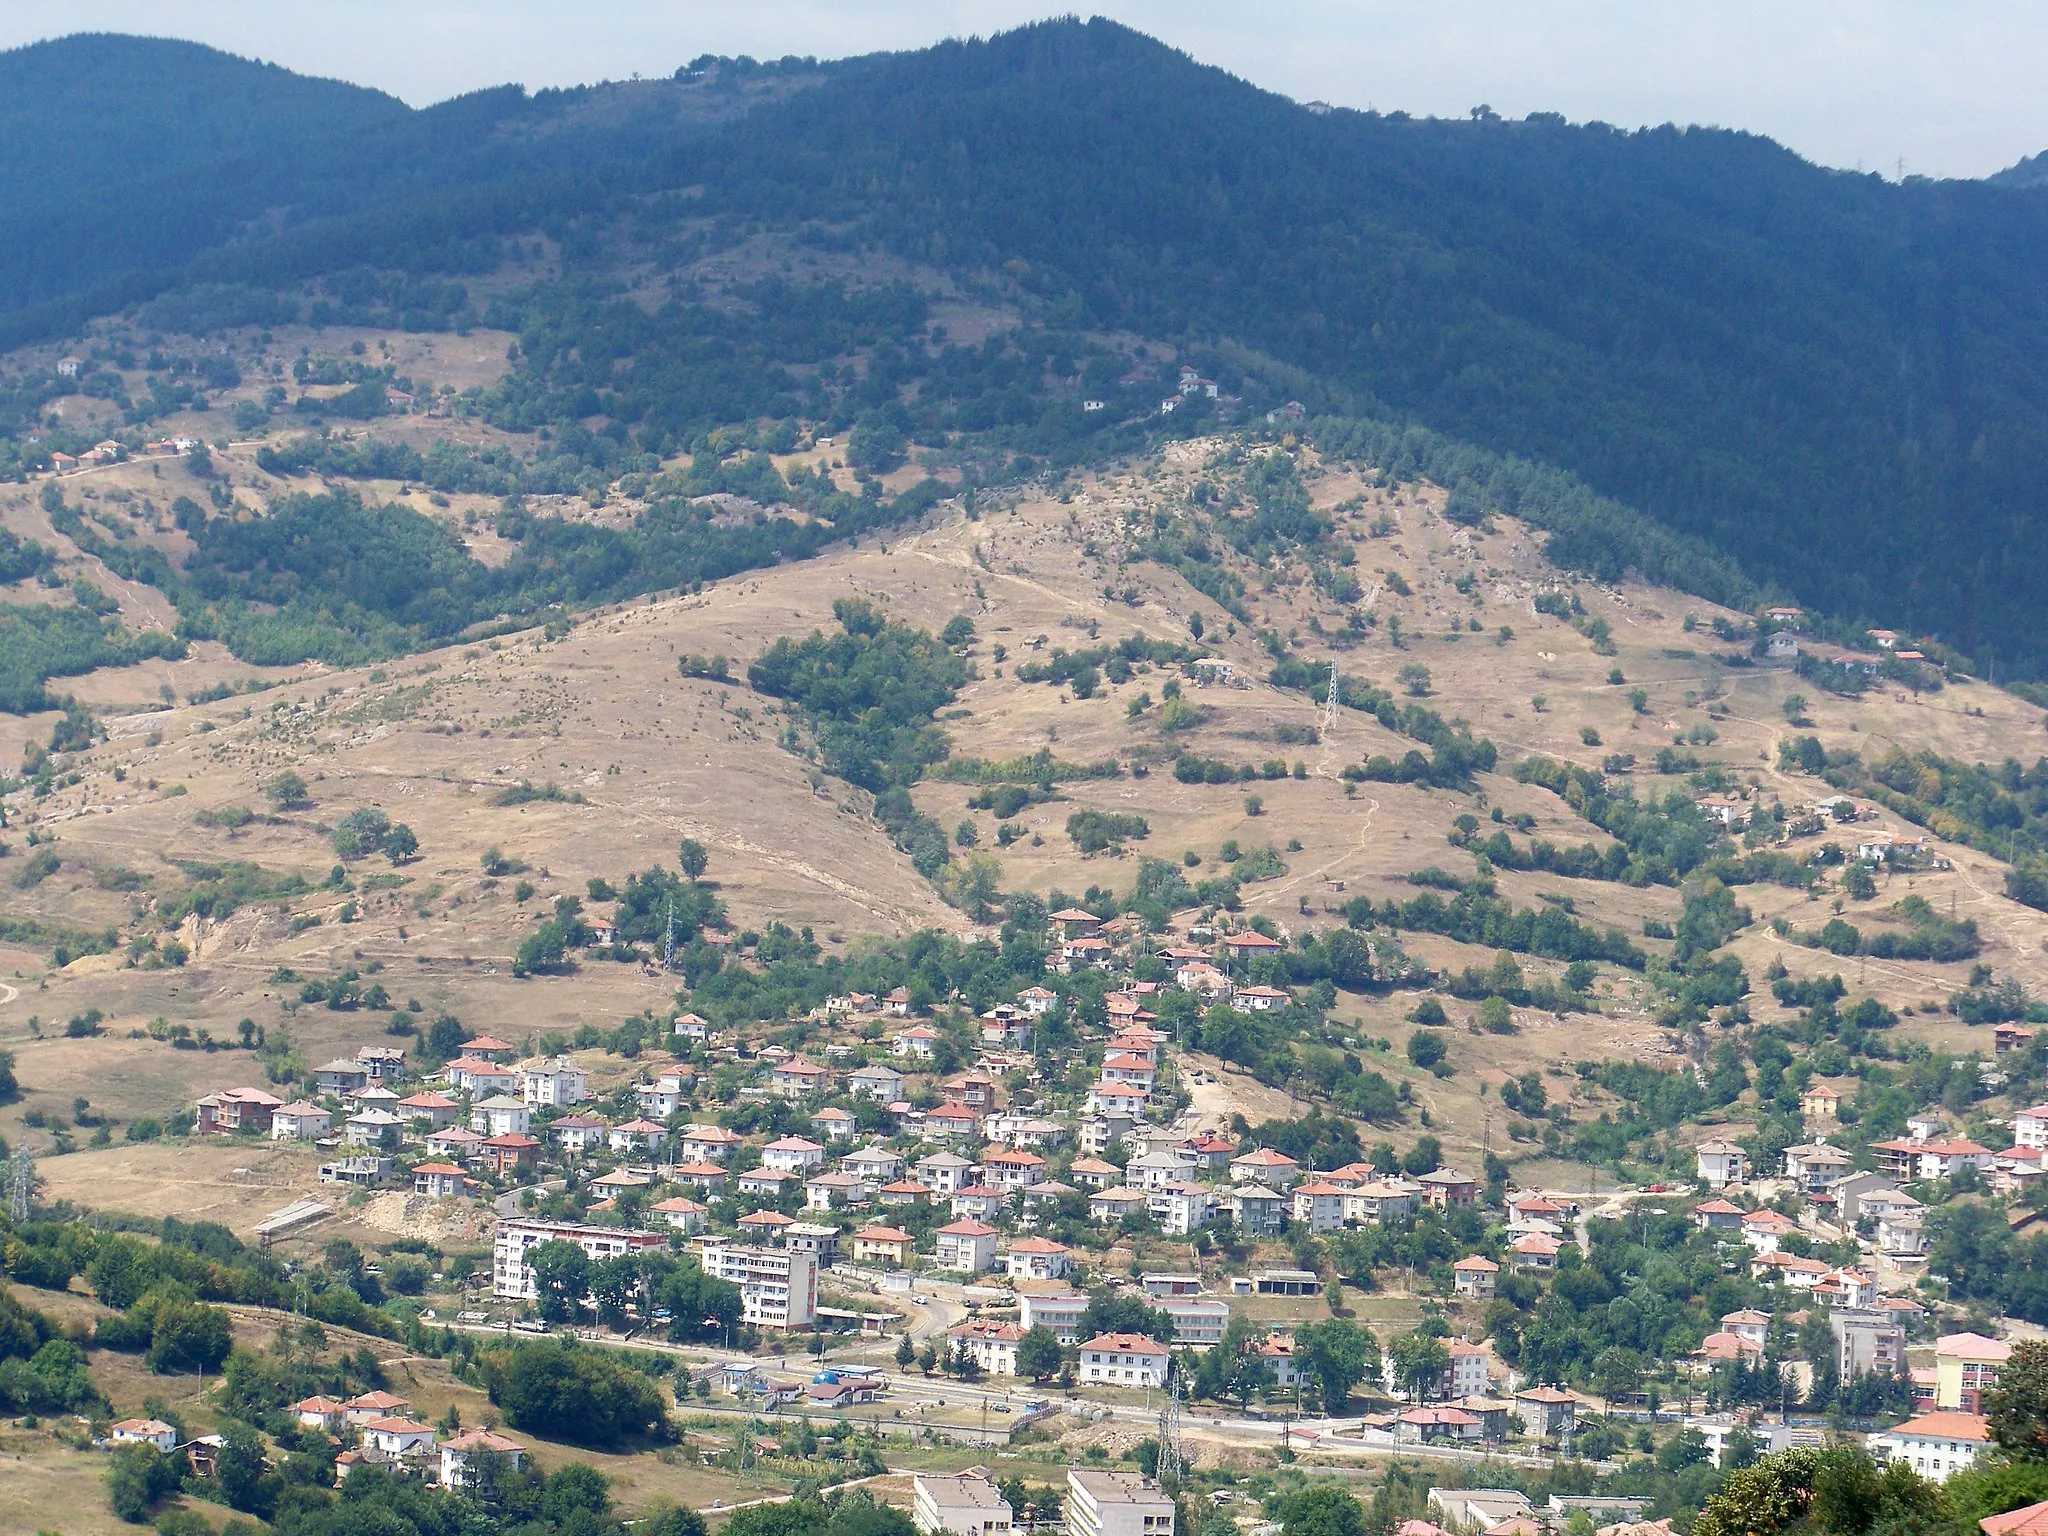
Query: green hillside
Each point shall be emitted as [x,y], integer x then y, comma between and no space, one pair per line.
[1837,383]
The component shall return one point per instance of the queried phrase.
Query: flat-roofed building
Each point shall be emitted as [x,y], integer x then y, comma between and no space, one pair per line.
[965,1506]
[1116,1504]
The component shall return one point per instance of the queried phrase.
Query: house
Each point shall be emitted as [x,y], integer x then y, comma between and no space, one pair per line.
[1110,1097]
[799,1079]
[637,1136]
[1719,1347]
[1449,1189]
[842,1392]
[1123,1360]
[792,1154]
[438,1181]
[1719,1163]
[1718,1216]
[946,1172]
[1099,1132]
[1965,1368]
[1868,1342]
[462,1457]
[1815,1166]
[1094,1173]
[706,1143]
[1012,1169]
[828,1191]
[1377,1201]
[1935,1445]
[1820,1102]
[1866,1194]
[365,1406]
[666,1095]
[1037,1001]
[500,1115]
[235,1109]
[1747,1324]
[1534,1252]
[1548,1414]
[1155,1169]
[1112,1205]
[556,1084]
[687,1216]
[1258,1211]
[1435,1425]
[505,1153]
[882,1084]
[873,1164]
[952,1120]
[299,1121]
[1320,1206]
[428,1110]
[375,1128]
[341,1076]
[972,1089]
[990,1344]
[1116,1504]
[318,1412]
[577,1134]
[965,1247]
[919,1041]
[1248,946]
[1763,1230]
[1135,1070]
[397,1436]
[2009,1037]
[766,1183]
[1038,1258]
[835,1124]
[489,1048]
[1182,1209]
[1475,1276]
[1914,1157]
[457,1143]
[1005,1028]
[959,1506]
[1275,1170]
[889,1246]
[765,1226]
[145,1432]
[693,1029]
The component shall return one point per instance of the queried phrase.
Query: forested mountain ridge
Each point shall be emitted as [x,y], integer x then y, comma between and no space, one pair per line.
[1839,383]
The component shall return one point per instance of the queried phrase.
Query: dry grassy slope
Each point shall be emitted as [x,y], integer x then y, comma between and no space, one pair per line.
[431,739]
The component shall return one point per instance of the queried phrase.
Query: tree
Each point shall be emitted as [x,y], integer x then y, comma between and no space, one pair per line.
[561,1278]
[906,1354]
[359,832]
[1337,1354]
[138,1479]
[1414,679]
[287,791]
[245,1482]
[400,844]
[1617,1372]
[1323,1510]
[692,856]
[1108,1312]
[557,1389]
[188,1336]
[1858,882]
[2017,1406]
[1038,1353]
[1420,1362]
[1426,1049]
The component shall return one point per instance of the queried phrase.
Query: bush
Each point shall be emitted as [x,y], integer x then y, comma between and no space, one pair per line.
[579,1395]
[1426,1050]
[140,1478]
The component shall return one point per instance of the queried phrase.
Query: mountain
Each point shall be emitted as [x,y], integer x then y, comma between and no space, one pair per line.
[2030,172]
[1838,383]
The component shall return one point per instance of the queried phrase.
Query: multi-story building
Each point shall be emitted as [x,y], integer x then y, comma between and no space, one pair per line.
[961,1506]
[1936,1445]
[1058,1310]
[989,1344]
[1965,1368]
[1870,1343]
[1116,1504]
[1198,1322]
[1122,1360]
[511,1275]
[556,1084]
[778,1287]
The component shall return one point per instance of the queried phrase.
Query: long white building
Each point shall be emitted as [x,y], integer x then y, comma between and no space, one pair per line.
[1116,1504]
[512,1276]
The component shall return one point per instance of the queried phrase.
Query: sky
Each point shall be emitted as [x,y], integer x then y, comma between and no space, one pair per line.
[1936,87]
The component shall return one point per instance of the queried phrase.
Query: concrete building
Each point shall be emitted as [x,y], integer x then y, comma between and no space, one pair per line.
[1936,1445]
[512,1276]
[1116,1504]
[1059,1311]
[964,1506]
[1123,1360]
[1965,1368]
[966,1247]
[778,1288]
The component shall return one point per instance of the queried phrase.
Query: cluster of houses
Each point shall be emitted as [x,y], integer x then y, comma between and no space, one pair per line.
[373,1429]
[1833,1200]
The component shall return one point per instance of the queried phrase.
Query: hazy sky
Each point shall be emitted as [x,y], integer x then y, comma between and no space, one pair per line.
[1951,87]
